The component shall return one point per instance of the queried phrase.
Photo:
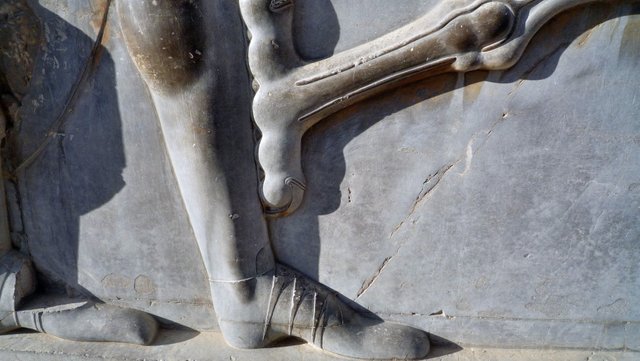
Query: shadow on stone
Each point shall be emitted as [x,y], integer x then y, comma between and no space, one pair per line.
[66,156]
[297,237]
[320,17]
[70,149]
[174,335]
[442,347]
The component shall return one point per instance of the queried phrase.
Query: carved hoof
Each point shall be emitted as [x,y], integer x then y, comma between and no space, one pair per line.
[299,307]
[293,190]
[283,187]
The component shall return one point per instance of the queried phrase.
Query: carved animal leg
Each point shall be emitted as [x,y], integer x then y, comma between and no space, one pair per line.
[485,34]
[208,134]
[84,321]
[273,56]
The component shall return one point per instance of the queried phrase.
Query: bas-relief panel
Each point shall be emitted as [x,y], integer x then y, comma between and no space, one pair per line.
[469,205]
[501,195]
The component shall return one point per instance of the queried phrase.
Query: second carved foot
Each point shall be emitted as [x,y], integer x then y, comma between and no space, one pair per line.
[69,319]
[90,322]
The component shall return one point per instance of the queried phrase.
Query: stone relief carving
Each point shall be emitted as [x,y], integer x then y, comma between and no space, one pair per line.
[21,305]
[293,94]
[182,55]
[257,300]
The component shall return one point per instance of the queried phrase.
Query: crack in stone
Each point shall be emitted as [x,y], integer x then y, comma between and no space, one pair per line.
[370,281]
[525,76]
[428,185]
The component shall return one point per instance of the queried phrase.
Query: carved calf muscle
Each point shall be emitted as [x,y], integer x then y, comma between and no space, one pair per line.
[166,40]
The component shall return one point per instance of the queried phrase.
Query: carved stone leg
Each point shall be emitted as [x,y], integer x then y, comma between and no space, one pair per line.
[207,129]
[294,95]
[208,132]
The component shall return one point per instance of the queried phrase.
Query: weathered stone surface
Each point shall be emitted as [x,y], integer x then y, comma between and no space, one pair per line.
[514,193]
[180,345]
[100,207]
[489,208]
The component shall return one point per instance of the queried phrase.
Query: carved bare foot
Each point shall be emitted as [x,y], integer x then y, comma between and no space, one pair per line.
[288,304]
[294,95]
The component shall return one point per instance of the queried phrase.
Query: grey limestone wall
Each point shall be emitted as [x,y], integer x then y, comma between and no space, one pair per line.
[488,208]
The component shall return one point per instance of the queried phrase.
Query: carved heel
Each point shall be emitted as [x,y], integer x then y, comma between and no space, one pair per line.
[243,335]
